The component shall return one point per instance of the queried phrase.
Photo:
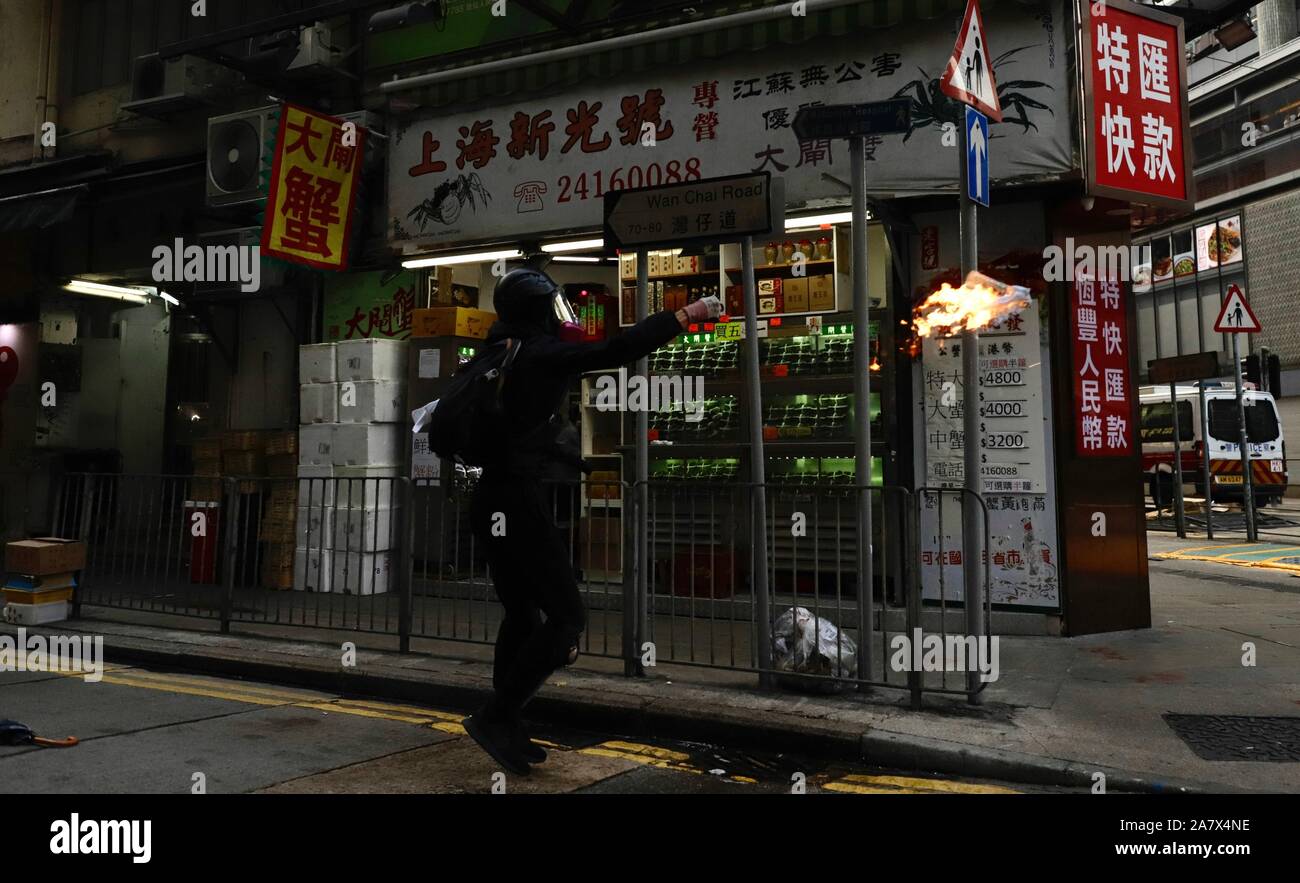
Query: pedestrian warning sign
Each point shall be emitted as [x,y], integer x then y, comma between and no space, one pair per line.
[1235,315]
[969,76]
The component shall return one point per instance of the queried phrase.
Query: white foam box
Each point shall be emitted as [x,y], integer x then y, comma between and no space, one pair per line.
[363,573]
[316,485]
[318,403]
[315,527]
[371,401]
[368,444]
[365,487]
[317,363]
[316,445]
[370,359]
[313,570]
[36,614]
[365,530]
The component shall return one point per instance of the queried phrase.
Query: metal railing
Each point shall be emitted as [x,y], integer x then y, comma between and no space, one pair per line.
[389,556]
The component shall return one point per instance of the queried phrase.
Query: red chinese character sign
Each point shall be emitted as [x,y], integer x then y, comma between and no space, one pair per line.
[1135,85]
[1102,391]
[313,188]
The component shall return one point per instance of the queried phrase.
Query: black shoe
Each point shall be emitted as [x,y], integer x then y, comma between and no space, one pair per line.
[528,749]
[496,739]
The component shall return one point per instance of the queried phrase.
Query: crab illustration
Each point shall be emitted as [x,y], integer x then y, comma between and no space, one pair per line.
[449,199]
[931,107]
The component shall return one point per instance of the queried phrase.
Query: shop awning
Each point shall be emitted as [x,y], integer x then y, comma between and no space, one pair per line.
[36,211]
[755,37]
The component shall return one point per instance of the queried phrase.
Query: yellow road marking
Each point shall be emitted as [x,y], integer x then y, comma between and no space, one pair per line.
[647,755]
[1204,548]
[193,691]
[932,785]
[850,788]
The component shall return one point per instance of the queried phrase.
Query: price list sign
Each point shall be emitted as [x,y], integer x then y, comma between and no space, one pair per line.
[1012,452]
[1103,410]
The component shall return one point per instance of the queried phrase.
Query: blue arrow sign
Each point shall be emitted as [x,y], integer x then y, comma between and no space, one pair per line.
[977,156]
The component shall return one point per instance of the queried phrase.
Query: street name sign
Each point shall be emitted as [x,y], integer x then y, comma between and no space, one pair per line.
[853,120]
[709,210]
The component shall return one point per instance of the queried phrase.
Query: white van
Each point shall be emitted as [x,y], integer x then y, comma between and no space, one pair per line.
[1263,428]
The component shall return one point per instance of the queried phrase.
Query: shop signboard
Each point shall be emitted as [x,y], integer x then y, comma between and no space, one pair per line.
[310,203]
[1102,390]
[537,166]
[358,305]
[1135,100]
[1015,452]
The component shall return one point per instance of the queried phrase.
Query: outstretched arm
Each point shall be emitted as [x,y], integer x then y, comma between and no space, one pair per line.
[636,342]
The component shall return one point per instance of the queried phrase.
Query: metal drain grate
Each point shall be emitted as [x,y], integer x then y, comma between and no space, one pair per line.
[1239,737]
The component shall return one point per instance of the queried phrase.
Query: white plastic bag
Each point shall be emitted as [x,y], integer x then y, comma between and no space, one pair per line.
[806,644]
[420,416]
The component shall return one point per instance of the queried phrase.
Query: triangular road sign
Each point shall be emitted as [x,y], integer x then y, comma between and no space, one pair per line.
[969,76]
[1235,315]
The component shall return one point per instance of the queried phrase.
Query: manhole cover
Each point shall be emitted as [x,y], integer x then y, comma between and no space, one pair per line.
[1239,737]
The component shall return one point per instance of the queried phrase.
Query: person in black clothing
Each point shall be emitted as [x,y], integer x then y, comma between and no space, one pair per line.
[512,515]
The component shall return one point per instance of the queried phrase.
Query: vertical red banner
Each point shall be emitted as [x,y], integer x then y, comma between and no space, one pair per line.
[1102,389]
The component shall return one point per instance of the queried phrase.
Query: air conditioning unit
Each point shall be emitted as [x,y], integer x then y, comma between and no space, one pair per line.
[241,148]
[272,273]
[162,88]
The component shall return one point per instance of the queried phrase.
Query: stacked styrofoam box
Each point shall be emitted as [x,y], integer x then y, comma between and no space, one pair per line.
[353,415]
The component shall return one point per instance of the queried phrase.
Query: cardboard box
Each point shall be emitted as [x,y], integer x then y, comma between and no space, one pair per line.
[281,443]
[362,573]
[209,466]
[317,363]
[207,490]
[674,297]
[242,463]
[283,465]
[277,528]
[796,295]
[371,401]
[735,300]
[35,596]
[243,440]
[770,298]
[600,544]
[821,293]
[627,266]
[207,448]
[313,569]
[44,555]
[452,322]
[371,359]
[368,444]
[316,445]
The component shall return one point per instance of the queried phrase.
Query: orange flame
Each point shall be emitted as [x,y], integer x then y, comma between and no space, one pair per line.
[978,302]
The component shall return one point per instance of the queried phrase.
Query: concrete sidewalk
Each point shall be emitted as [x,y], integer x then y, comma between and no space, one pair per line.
[1063,709]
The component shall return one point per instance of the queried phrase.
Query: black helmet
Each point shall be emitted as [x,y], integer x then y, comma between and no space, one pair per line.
[530,297]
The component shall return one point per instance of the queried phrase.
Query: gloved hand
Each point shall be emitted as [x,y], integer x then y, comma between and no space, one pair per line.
[704,309]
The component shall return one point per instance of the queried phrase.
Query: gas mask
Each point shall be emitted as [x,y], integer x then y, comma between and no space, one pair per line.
[568,329]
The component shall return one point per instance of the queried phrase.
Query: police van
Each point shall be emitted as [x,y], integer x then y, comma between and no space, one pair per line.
[1263,428]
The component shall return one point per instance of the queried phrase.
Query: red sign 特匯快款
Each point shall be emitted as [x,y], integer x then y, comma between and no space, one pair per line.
[1137,123]
[1102,391]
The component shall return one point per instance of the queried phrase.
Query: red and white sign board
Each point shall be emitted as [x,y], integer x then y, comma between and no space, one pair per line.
[1235,316]
[969,75]
[1135,101]
[1102,391]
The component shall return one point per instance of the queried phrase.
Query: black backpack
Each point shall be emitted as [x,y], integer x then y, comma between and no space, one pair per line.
[469,423]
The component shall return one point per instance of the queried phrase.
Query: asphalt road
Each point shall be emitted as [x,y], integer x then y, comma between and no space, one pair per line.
[146,731]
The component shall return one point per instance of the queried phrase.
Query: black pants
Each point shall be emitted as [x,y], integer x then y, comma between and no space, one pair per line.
[528,558]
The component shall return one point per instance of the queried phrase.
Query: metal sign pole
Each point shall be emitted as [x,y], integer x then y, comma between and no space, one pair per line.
[1180,518]
[641,488]
[1247,480]
[756,465]
[862,400]
[973,597]
[1205,465]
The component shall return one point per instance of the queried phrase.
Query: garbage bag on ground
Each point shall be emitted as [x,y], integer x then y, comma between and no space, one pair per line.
[806,644]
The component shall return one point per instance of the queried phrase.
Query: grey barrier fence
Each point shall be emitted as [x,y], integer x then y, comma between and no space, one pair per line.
[392,556]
